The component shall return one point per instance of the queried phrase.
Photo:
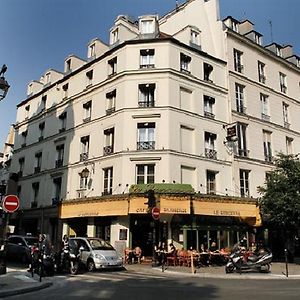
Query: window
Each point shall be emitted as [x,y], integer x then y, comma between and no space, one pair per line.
[267,146]
[264,107]
[114,36]
[282,80]
[285,112]
[112,66]
[27,109]
[242,144]
[145,174]
[244,183]
[68,66]
[35,189]
[108,181]
[85,143]
[289,145]
[42,129]
[47,79]
[239,97]
[83,182]
[147,26]
[109,136]
[261,72]
[146,136]
[57,190]
[147,58]
[65,89]
[111,102]
[21,166]
[209,141]
[210,182]
[24,138]
[43,103]
[195,37]
[278,51]
[87,111]
[60,149]
[146,95]
[185,62]
[63,121]
[238,66]
[89,78]
[208,106]
[38,162]
[92,51]
[207,68]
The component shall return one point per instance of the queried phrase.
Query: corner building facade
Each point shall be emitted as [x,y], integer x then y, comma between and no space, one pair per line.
[151,110]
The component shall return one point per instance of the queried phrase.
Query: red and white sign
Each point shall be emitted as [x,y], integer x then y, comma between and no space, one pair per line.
[10,203]
[155,213]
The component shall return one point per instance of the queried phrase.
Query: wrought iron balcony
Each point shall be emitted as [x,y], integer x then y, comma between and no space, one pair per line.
[107,150]
[210,153]
[243,152]
[268,158]
[146,103]
[84,156]
[147,66]
[209,114]
[111,110]
[58,163]
[265,117]
[37,170]
[149,145]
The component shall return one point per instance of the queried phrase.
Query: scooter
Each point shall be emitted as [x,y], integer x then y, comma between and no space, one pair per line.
[260,261]
[70,262]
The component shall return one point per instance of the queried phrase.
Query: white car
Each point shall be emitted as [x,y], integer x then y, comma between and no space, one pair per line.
[96,253]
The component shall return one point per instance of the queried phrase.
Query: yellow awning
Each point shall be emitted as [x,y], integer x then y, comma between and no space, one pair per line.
[174,205]
[94,209]
[137,205]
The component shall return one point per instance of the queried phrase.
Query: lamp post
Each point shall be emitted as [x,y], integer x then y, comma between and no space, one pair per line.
[85,173]
[4,86]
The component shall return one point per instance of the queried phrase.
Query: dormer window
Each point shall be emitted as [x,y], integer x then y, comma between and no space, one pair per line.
[234,26]
[147,26]
[29,90]
[68,65]
[92,51]
[47,78]
[195,37]
[257,39]
[278,51]
[114,36]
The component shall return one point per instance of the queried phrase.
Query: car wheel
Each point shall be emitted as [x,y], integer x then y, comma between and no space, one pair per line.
[91,265]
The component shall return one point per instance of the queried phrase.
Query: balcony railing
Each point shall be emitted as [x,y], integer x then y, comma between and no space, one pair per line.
[84,156]
[107,192]
[243,152]
[87,119]
[146,103]
[41,138]
[37,170]
[111,110]
[268,158]
[208,114]
[147,66]
[265,117]
[58,163]
[149,145]
[210,153]
[107,150]
[62,129]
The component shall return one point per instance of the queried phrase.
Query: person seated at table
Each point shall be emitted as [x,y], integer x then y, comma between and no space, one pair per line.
[213,247]
[172,251]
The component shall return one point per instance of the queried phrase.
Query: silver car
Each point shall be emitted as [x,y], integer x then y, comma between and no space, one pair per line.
[97,253]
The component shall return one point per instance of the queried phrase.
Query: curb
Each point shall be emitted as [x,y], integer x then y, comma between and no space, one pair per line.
[25,289]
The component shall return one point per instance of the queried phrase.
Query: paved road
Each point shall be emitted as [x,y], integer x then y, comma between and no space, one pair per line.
[128,285]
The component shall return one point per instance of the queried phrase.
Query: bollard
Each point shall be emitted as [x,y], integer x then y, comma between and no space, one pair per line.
[286,263]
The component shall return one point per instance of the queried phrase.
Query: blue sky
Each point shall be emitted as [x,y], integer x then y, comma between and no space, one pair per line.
[36,35]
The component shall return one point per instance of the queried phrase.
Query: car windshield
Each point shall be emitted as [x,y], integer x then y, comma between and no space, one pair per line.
[100,244]
[31,241]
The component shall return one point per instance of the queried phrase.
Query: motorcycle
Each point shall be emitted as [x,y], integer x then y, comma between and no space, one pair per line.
[240,260]
[69,262]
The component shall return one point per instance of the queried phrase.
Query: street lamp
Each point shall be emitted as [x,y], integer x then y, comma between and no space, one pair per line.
[4,86]
[85,173]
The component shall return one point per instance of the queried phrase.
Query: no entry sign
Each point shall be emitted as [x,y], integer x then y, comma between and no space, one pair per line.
[155,213]
[10,203]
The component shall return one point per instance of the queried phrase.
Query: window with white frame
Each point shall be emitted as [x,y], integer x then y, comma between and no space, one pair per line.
[278,51]
[239,98]
[289,145]
[207,72]
[147,58]
[63,121]
[108,181]
[238,64]
[209,144]
[42,130]
[92,50]
[112,66]
[60,149]
[57,190]
[84,145]
[47,79]
[68,66]
[109,137]
[208,106]
[185,62]
[111,102]
[261,72]
[147,26]
[244,183]
[285,113]
[267,145]
[21,166]
[146,95]
[242,140]
[38,162]
[83,181]
[264,104]
[114,36]
[43,103]
[282,80]
[195,37]
[87,111]
[146,139]
[210,182]
[145,174]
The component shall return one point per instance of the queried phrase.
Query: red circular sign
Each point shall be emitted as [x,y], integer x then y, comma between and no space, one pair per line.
[155,213]
[10,203]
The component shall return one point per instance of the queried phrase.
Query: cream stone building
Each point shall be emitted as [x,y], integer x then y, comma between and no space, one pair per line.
[162,107]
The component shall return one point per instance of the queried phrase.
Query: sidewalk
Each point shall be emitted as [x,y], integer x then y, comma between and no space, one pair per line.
[278,271]
[20,282]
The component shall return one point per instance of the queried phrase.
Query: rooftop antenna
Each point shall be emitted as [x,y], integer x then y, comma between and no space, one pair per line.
[271,30]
